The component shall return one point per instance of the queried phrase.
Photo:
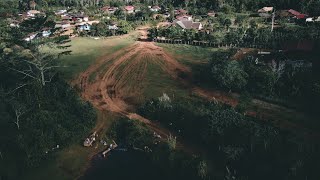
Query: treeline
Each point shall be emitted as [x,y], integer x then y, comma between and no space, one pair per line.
[244,34]
[240,147]
[39,112]
[199,7]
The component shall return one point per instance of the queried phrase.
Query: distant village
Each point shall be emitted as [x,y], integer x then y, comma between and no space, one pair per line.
[72,23]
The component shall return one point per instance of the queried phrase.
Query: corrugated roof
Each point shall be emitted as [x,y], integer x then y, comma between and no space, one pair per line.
[189,24]
[265,9]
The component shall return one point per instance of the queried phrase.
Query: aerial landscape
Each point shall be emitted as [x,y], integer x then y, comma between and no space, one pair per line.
[159,89]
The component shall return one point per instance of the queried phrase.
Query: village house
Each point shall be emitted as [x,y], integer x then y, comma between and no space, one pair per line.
[46,32]
[129,9]
[155,8]
[108,9]
[113,26]
[313,19]
[79,18]
[189,24]
[297,15]
[211,14]
[84,27]
[112,10]
[265,10]
[184,17]
[60,12]
[30,37]
[32,13]
[66,18]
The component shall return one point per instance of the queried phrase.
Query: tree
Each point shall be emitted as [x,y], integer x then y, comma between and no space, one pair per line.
[228,74]
[39,67]
[172,142]
[312,8]
[227,9]
[261,79]
[203,169]
[19,110]
[240,20]
[227,23]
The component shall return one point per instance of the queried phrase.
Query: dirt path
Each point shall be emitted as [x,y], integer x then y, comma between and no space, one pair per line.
[118,83]
[121,80]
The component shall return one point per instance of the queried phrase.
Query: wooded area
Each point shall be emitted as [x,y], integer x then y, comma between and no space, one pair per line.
[40,113]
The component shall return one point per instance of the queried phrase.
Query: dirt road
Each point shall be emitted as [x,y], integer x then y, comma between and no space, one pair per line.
[121,80]
[118,79]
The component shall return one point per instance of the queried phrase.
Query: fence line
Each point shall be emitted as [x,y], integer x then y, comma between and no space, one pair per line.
[212,44]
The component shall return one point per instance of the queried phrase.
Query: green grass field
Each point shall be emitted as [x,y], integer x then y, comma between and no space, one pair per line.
[188,54]
[72,161]
[158,82]
[85,51]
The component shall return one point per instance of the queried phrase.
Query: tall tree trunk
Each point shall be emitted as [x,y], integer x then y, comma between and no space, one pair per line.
[42,78]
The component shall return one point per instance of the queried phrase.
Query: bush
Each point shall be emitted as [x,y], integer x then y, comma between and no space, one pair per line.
[228,74]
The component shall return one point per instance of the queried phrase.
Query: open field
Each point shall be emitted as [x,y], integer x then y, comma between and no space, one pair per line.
[118,74]
[85,51]
[188,54]
[140,74]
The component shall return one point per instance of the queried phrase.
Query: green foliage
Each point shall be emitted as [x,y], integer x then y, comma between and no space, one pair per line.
[240,19]
[227,23]
[233,140]
[227,9]
[203,169]
[131,133]
[172,164]
[40,113]
[244,102]
[172,142]
[226,73]
[261,78]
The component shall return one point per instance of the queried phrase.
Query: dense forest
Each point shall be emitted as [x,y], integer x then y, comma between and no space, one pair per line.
[311,7]
[194,6]
[40,113]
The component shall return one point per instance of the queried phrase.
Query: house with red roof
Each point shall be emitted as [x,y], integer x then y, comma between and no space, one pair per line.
[296,14]
[129,9]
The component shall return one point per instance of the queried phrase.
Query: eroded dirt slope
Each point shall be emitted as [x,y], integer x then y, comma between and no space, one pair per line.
[118,79]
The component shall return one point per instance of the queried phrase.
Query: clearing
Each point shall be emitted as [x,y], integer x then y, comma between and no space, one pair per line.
[118,74]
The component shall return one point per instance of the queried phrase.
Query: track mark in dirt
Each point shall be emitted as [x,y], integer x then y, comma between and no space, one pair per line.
[122,80]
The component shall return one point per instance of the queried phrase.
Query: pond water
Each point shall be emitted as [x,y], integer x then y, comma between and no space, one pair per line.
[122,164]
